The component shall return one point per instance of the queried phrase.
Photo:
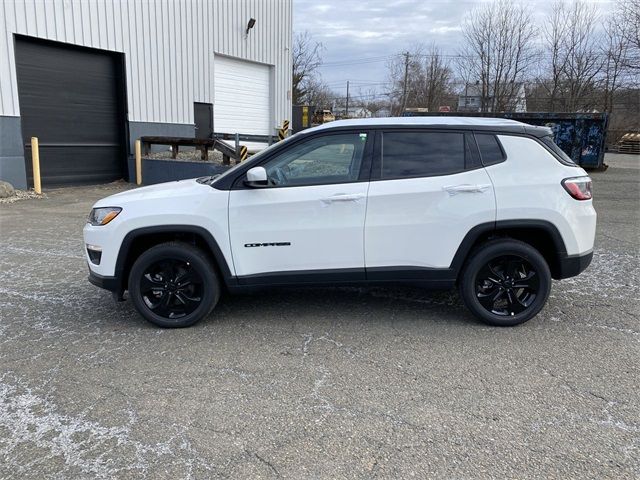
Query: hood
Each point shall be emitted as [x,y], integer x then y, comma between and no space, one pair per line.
[160,191]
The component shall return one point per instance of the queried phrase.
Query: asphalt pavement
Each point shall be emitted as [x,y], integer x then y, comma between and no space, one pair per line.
[322,383]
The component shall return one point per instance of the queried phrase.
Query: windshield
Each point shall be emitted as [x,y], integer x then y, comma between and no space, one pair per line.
[548,141]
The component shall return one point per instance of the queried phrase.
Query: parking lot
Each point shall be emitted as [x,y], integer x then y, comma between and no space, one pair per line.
[330,383]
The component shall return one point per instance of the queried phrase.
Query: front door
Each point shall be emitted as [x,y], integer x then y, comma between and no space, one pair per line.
[308,224]
[203,117]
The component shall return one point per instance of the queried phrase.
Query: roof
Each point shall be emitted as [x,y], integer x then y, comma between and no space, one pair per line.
[467,123]
[420,121]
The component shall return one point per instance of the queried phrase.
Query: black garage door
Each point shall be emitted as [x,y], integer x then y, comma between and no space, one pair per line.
[72,99]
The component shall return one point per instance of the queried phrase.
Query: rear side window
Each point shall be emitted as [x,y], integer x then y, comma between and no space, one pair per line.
[422,154]
[490,149]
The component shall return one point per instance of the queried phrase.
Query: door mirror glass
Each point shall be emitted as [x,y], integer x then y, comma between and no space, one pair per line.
[256,177]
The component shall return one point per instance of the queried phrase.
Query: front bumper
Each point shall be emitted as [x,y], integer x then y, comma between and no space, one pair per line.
[572,265]
[112,284]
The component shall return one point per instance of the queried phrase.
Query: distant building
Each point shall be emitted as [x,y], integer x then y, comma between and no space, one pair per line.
[470,99]
[383,112]
[359,112]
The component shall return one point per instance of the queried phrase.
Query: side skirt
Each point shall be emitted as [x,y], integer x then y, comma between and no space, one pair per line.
[429,278]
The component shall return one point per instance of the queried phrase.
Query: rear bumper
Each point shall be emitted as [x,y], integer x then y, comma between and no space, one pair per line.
[572,265]
[112,284]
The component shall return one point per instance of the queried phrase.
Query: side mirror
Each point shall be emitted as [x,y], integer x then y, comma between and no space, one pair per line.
[256,177]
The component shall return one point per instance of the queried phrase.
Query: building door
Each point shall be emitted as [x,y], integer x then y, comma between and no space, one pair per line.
[203,116]
[242,97]
[72,99]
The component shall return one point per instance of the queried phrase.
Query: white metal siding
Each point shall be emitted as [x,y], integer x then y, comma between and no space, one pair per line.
[169,46]
[242,97]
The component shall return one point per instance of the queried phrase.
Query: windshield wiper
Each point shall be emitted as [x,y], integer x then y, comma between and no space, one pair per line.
[208,180]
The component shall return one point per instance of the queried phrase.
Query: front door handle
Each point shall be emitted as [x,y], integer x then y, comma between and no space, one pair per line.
[343,197]
[465,188]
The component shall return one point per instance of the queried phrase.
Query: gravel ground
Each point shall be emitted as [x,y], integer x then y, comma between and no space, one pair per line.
[330,383]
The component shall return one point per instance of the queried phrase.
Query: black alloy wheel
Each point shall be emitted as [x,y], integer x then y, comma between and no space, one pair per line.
[171,288]
[505,282]
[173,284]
[507,285]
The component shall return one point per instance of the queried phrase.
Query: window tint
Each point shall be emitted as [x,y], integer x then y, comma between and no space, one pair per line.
[321,160]
[422,154]
[490,150]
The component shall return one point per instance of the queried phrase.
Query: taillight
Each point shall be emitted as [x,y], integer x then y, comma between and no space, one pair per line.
[578,187]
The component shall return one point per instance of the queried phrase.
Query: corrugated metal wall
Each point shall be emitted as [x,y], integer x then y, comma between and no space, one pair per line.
[169,46]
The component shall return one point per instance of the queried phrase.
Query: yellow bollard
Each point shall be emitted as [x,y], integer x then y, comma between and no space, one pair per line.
[35,159]
[138,163]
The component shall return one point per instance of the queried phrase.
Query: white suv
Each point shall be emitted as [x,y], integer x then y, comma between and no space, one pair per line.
[490,205]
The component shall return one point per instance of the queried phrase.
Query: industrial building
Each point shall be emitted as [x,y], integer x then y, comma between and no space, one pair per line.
[89,77]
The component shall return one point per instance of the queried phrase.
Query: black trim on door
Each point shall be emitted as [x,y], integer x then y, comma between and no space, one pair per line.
[299,277]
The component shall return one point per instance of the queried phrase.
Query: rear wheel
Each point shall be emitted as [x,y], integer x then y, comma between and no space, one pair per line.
[173,285]
[505,282]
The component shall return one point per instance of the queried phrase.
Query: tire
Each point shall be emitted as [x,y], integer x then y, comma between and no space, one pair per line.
[173,285]
[491,276]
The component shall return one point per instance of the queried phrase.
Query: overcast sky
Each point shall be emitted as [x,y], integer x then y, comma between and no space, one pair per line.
[359,36]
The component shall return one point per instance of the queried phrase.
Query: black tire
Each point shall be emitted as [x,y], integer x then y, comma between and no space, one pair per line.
[173,285]
[491,276]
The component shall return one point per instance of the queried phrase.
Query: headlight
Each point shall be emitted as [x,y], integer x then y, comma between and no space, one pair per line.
[103,215]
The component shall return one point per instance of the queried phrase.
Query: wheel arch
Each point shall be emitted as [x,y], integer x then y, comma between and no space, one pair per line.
[540,234]
[139,240]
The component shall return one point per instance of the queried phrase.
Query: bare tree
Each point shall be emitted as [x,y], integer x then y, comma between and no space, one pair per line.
[306,58]
[370,100]
[318,94]
[554,35]
[629,15]
[498,51]
[615,53]
[583,59]
[420,78]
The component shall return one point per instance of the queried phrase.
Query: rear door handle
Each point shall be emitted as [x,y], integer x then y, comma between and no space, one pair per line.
[465,188]
[343,197]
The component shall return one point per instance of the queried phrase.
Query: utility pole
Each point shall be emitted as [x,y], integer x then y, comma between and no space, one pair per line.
[404,84]
[347,105]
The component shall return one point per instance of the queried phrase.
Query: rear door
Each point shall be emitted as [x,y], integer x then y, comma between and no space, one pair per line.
[428,189]
[308,224]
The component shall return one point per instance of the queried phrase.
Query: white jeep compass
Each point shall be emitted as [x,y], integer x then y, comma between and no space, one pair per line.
[491,206]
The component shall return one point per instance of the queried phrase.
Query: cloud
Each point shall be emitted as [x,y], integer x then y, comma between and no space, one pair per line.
[351,30]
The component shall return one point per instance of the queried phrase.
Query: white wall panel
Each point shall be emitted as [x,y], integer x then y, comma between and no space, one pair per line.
[169,46]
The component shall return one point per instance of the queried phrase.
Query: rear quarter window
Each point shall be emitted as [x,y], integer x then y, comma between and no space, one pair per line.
[491,151]
[558,152]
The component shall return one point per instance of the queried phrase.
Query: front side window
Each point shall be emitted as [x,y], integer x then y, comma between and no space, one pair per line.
[322,160]
[422,154]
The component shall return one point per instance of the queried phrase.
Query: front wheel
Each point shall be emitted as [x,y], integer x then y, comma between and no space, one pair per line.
[505,282]
[173,284]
